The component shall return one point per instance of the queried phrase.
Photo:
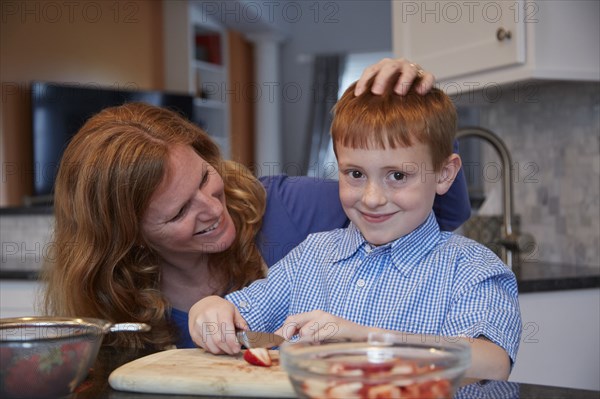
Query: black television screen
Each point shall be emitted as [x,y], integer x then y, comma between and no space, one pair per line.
[59,110]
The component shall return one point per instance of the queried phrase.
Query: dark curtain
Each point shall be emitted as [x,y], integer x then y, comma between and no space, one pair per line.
[327,72]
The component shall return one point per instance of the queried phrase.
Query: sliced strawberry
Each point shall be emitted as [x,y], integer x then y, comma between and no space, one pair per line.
[384,391]
[5,356]
[258,357]
[345,390]
[25,369]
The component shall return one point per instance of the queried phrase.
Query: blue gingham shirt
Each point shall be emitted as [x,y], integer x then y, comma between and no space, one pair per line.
[427,282]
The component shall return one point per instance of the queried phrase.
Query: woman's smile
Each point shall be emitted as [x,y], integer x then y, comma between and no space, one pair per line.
[215,229]
[210,228]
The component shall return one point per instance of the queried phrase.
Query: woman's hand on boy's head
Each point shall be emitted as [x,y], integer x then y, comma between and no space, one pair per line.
[317,325]
[386,69]
[213,322]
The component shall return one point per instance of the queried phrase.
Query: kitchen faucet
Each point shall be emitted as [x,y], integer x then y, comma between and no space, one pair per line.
[511,242]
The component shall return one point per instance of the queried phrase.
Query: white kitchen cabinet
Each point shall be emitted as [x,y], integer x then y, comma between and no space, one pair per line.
[196,62]
[560,344]
[466,44]
[19,297]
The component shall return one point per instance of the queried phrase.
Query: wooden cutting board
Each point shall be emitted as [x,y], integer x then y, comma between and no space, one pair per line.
[196,372]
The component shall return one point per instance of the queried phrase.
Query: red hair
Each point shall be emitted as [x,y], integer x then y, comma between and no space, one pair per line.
[101,267]
[391,120]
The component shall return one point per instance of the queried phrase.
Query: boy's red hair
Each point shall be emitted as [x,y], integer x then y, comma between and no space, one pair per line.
[391,121]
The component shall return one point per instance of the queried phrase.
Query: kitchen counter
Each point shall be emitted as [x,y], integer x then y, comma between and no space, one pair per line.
[542,276]
[25,265]
[531,277]
[27,210]
[109,359]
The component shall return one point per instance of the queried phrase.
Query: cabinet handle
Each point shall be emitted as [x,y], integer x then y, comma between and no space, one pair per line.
[503,34]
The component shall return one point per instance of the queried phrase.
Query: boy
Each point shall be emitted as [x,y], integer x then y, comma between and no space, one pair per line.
[391,268]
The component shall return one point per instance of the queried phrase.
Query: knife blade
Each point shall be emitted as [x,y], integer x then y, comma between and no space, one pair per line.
[257,339]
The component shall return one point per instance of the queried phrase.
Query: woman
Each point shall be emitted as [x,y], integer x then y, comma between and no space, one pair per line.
[150,218]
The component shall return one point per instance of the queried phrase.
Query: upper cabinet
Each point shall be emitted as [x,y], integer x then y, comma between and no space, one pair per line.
[468,45]
[196,59]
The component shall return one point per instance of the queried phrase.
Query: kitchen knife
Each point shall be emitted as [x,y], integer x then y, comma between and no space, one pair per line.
[256,339]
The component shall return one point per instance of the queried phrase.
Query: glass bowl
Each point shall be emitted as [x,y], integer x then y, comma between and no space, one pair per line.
[385,365]
[44,357]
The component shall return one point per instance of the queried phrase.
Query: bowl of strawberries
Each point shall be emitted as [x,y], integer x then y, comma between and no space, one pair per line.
[385,365]
[43,357]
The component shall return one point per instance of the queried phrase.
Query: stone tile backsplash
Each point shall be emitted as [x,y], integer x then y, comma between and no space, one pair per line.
[25,241]
[554,140]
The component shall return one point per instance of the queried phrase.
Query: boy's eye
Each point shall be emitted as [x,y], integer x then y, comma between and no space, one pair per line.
[398,176]
[356,174]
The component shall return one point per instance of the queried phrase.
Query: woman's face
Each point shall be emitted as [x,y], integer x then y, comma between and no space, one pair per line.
[187,213]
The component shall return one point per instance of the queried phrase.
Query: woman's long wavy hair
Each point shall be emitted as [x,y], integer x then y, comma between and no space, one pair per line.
[100,265]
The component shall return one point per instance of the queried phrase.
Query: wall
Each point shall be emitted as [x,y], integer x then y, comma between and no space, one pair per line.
[95,43]
[550,128]
[320,28]
[553,133]
[19,298]
[25,242]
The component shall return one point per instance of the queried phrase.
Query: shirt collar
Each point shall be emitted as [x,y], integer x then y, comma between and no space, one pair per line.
[405,251]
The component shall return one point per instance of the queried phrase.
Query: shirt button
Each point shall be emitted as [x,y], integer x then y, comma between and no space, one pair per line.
[243,304]
[361,282]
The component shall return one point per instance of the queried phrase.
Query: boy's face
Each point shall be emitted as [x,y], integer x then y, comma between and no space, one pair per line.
[389,193]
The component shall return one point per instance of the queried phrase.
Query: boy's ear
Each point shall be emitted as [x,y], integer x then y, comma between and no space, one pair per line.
[448,173]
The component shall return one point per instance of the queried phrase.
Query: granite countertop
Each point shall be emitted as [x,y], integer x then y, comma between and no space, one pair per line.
[542,276]
[27,210]
[531,277]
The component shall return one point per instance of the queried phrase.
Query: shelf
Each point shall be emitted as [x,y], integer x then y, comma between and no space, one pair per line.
[208,66]
[197,62]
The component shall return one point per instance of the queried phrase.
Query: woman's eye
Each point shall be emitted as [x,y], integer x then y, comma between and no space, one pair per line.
[398,176]
[178,216]
[204,180]
[356,174]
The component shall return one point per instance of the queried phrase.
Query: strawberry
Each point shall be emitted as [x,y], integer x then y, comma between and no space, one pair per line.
[5,356]
[346,390]
[79,348]
[50,373]
[25,369]
[258,357]
[384,391]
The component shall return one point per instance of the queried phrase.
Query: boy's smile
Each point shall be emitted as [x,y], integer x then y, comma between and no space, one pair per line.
[388,193]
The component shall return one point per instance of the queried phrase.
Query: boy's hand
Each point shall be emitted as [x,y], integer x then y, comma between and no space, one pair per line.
[319,326]
[213,322]
[385,69]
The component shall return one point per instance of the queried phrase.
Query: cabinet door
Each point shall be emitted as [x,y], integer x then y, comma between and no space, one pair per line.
[18,298]
[451,38]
